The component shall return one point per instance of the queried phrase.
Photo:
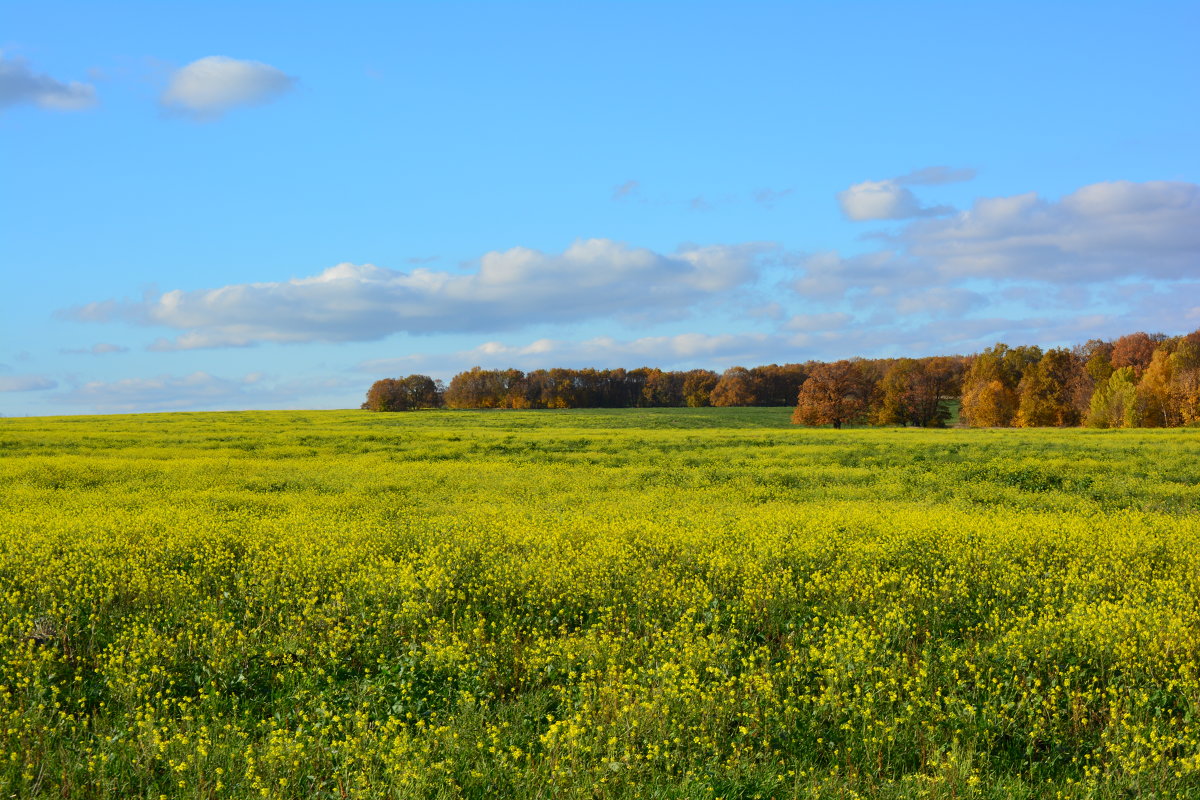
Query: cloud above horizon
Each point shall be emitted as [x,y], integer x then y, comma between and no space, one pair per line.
[892,199]
[19,84]
[208,87]
[1102,232]
[510,289]
[1106,259]
[26,383]
[203,390]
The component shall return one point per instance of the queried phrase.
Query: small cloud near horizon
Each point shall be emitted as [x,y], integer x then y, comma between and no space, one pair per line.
[26,383]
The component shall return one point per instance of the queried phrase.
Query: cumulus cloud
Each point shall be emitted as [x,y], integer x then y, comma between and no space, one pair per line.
[25,383]
[1100,233]
[1103,260]
[829,275]
[208,87]
[1104,231]
[884,200]
[99,349]
[892,199]
[19,84]
[510,289]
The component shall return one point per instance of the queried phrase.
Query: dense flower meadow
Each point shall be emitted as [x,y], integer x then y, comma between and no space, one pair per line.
[654,603]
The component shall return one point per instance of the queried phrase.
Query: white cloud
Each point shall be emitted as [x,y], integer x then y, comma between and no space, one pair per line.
[515,288]
[884,200]
[1104,260]
[1100,232]
[25,383]
[210,86]
[940,301]
[20,84]
[891,199]
[828,275]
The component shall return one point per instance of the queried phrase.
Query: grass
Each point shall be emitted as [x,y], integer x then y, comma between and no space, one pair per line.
[672,603]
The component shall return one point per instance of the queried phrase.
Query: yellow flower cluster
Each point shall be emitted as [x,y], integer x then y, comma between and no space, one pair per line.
[626,603]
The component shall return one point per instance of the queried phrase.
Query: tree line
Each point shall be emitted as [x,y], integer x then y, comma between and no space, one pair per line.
[645,387]
[1138,380]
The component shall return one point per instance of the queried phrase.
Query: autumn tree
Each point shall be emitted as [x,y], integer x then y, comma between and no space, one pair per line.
[736,388]
[384,395]
[834,394]
[1185,380]
[697,387]
[1169,391]
[1156,408]
[1045,391]
[777,385]
[1135,350]
[916,392]
[404,394]
[663,388]
[485,388]
[989,389]
[1096,357]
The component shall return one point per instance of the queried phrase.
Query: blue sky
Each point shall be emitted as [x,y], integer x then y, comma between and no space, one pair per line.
[271,205]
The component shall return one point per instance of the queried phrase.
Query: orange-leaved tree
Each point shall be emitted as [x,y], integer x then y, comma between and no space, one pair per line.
[989,388]
[1046,392]
[736,388]
[834,394]
[403,394]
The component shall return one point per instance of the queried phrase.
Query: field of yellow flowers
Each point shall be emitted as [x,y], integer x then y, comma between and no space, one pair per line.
[657,603]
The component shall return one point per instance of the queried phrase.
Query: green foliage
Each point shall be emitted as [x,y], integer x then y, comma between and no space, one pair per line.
[670,603]
[1115,404]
